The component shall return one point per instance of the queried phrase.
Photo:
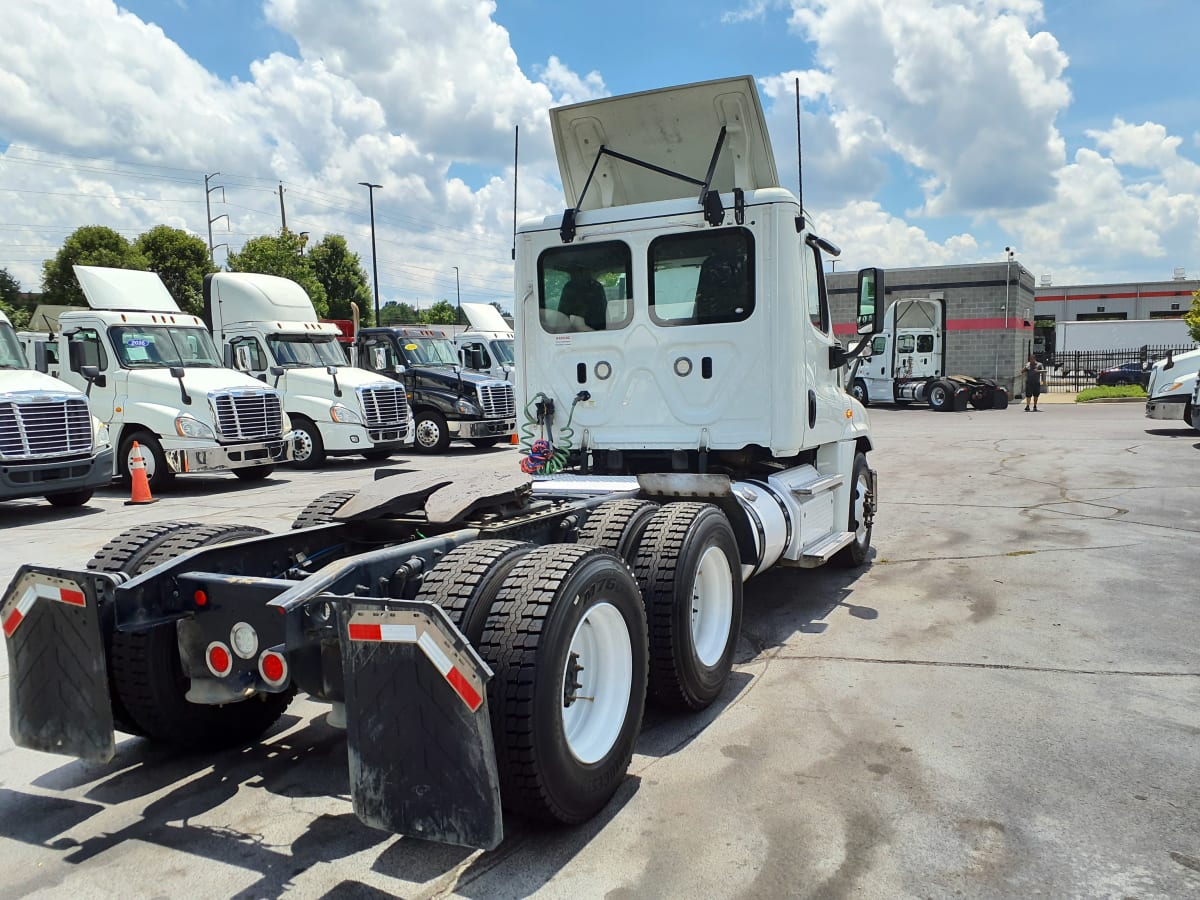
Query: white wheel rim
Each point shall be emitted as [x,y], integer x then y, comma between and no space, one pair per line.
[712,606]
[147,460]
[602,650]
[302,445]
[428,433]
[860,509]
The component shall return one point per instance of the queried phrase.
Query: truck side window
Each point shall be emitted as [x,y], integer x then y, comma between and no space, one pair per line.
[924,343]
[258,360]
[817,310]
[378,356]
[879,344]
[702,278]
[584,288]
[90,351]
[475,356]
[905,343]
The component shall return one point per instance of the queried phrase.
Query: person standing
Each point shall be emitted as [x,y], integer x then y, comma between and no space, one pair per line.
[1033,382]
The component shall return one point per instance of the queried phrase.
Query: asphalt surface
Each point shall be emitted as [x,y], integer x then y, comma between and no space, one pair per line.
[1005,703]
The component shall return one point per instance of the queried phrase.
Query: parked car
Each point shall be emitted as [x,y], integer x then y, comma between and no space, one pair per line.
[1127,373]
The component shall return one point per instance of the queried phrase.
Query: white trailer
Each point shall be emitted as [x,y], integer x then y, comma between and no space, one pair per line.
[907,363]
[1119,334]
[266,327]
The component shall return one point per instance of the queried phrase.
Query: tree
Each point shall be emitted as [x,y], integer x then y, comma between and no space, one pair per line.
[441,313]
[281,255]
[342,276]
[1192,317]
[393,313]
[181,261]
[91,245]
[10,295]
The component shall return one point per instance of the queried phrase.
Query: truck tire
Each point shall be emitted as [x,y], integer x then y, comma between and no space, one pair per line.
[68,499]
[689,572]
[432,435]
[855,553]
[149,676]
[254,473]
[465,581]
[859,391]
[567,623]
[124,553]
[377,455]
[618,525]
[940,396]
[484,443]
[320,511]
[309,449]
[983,396]
[158,473]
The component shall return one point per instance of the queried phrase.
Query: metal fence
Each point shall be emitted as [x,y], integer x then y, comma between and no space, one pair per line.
[1075,370]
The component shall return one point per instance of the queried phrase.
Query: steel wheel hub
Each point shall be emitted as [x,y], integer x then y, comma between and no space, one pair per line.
[712,606]
[597,681]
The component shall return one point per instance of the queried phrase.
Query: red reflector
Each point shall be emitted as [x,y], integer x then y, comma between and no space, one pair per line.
[365,633]
[75,598]
[273,668]
[219,659]
[11,623]
[200,597]
[469,695]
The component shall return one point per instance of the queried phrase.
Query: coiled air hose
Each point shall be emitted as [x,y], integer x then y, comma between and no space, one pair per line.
[544,453]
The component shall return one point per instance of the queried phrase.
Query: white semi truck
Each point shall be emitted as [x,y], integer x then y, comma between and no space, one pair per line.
[155,378]
[1171,393]
[487,346]
[907,363]
[491,643]
[266,327]
[50,443]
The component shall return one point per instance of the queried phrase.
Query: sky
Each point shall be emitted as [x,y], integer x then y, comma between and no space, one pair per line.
[935,132]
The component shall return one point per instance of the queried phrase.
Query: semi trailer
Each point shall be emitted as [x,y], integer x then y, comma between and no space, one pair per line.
[907,363]
[491,643]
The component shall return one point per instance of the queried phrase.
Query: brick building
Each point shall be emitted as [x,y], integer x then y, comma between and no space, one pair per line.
[989,313]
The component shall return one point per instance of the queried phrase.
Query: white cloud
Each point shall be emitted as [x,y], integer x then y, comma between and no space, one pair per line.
[870,236]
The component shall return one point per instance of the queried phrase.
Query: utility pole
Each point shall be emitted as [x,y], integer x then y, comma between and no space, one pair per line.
[458,294]
[208,211]
[282,211]
[374,265]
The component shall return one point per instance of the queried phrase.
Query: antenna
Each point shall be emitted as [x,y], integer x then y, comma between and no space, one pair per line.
[516,149]
[799,158]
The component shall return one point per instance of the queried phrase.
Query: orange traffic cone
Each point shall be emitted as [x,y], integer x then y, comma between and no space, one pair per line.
[137,474]
[515,440]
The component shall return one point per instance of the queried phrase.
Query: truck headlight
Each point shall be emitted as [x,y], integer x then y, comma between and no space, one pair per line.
[466,408]
[100,435]
[286,421]
[191,427]
[344,414]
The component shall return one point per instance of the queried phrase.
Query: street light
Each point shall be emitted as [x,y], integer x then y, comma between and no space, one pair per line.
[374,266]
[458,294]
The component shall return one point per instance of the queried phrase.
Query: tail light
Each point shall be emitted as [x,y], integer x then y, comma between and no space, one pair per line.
[219,659]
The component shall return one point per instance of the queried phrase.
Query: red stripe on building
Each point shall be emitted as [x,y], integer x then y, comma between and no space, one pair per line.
[1124,295]
[365,633]
[75,598]
[999,323]
[464,689]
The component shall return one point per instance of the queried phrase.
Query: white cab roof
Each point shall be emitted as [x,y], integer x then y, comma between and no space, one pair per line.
[124,289]
[485,317]
[248,297]
[674,128]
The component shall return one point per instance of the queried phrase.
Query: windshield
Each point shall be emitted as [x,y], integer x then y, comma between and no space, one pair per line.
[159,346]
[301,350]
[11,356]
[502,349]
[422,351]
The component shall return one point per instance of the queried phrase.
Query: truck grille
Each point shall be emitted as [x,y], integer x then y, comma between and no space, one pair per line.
[44,426]
[497,400]
[247,415]
[385,406]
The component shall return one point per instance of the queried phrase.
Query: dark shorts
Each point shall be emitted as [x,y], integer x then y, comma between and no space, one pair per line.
[1033,387]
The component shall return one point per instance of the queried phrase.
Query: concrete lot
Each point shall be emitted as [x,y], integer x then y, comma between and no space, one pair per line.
[1006,703]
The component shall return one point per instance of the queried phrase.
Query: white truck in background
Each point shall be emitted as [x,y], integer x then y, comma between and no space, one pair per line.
[266,327]
[907,363]
[1118,334]
[155,378]
[487,346]
[50,443]
[1173,392]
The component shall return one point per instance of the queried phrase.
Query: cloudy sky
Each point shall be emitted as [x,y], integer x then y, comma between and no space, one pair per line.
[935,132]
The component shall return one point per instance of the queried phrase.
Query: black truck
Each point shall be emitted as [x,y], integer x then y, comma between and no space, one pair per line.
[448,402]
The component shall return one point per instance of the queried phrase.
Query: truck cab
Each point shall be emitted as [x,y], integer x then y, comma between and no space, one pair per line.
[50,444]
[909,352]
[158,381]
[267,328]
[448,401]
[487,347]
[1171,394]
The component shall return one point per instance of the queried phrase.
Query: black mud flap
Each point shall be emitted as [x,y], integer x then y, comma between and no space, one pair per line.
[422,761]
[58,680]
[1000,398]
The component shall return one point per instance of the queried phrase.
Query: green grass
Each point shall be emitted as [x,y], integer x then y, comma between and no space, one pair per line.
[1104,393]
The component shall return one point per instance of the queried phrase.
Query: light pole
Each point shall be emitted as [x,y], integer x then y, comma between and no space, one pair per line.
[374,266]
[458,294]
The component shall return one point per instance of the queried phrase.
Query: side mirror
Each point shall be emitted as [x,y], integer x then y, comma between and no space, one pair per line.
[379,359]
[242,358]
[41,357]
[870,301]
[92,375]
[176,371]
[331,370]
[1170,363]
[277,371]
[75,356]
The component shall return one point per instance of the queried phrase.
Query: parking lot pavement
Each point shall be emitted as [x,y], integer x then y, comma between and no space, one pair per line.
[1005,703]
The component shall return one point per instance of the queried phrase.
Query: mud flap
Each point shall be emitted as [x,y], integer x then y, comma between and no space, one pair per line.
[422,761]
[58,677]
